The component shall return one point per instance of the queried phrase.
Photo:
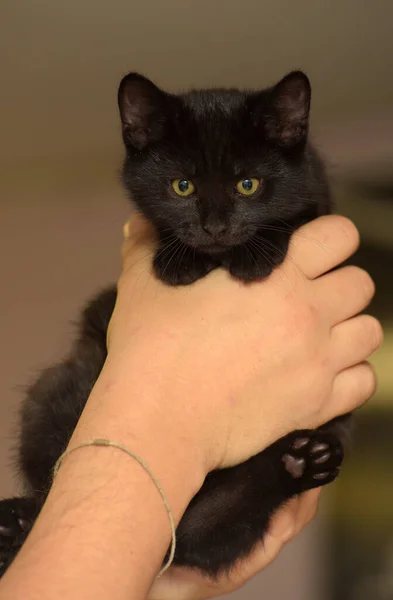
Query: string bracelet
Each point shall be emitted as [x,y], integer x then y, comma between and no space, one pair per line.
[104,442]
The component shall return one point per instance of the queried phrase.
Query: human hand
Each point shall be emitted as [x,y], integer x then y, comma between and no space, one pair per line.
[235,367]
[180,583]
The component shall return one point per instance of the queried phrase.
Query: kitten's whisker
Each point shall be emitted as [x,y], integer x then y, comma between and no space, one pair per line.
[284,254]
[292,231]
[264,253]
[181,255]
[167,246]
[172,255]
[261,250]
[168,237]
[275,228]
[154,252]
[251,254]
[306,237]
[142,258]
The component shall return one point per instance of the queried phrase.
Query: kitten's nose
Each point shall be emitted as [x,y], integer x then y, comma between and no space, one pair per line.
[215,229]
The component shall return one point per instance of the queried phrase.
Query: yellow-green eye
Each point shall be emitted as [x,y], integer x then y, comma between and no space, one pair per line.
[246,187]
[183,187]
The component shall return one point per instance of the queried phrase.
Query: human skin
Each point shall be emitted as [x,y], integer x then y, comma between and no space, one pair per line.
[292,350]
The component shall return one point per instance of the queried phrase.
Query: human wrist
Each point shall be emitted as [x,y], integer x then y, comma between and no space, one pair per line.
[140,414]
[89,503]
[106,508]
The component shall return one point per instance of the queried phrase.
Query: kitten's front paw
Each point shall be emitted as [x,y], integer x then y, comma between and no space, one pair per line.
[183,266]
[310,458]
[257,258]
[247,267]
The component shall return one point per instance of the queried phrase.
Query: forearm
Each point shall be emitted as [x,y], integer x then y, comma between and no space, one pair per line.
[104,530]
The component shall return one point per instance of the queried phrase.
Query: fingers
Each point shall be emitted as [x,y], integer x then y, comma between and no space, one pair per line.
[344,293]
[262,555]
[323,244]
[283,524]
[188,584]
[354,341]
[286,524]
[351,388]
[295,515]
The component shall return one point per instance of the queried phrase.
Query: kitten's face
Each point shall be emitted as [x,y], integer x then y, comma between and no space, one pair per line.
[212,168]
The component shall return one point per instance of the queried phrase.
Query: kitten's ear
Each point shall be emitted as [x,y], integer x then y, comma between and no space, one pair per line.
[289,107]
[142,108]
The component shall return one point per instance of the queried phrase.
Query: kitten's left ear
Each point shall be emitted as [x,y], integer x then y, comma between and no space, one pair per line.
[289,107]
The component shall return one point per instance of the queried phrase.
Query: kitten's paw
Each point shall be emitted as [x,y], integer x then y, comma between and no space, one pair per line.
[183,267]
[257,259]
[311,459]
[247,268]
[16,519]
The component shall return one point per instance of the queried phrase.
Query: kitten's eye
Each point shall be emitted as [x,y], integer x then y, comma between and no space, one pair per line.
[183,187]
[246,187]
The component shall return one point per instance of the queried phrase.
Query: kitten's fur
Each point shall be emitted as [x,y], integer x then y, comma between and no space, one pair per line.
[214,138]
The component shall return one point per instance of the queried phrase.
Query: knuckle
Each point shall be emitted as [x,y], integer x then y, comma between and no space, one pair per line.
[374,332]
[371,380]
[302,323]
[349,230]
[365,283]
[367,384]
[307,317]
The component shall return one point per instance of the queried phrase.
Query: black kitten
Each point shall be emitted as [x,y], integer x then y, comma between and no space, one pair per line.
[225,176]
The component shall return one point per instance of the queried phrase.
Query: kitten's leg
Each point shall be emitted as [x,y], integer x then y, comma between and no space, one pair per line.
[232,511]
[182,265]
[257,258]
[17,516]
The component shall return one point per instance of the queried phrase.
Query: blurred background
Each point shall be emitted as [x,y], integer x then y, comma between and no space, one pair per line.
[62,208]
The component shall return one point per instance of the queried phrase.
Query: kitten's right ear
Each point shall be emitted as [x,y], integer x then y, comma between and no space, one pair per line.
[142,108]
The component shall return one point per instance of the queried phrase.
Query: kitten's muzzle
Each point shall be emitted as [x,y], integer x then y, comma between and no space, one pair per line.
[214,238]
[219,243]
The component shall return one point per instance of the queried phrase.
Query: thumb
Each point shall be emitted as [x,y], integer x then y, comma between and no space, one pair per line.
[139,242]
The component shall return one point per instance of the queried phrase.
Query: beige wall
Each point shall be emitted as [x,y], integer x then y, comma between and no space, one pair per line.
[61,61]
